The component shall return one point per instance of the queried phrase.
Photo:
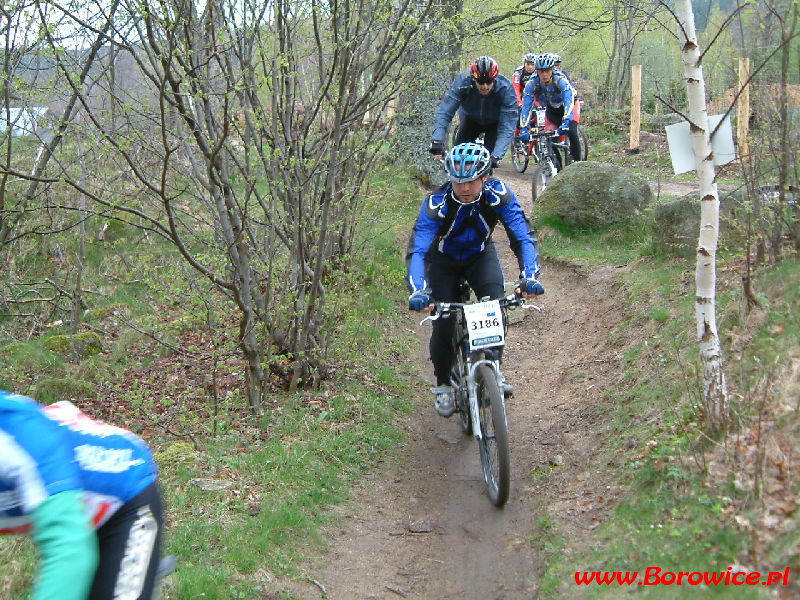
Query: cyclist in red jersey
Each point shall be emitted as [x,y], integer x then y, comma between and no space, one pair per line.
[523,73]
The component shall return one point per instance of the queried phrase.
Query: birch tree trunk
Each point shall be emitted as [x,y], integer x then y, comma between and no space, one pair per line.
[715,394]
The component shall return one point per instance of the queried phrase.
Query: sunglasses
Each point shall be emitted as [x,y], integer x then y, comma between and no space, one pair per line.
[484,81]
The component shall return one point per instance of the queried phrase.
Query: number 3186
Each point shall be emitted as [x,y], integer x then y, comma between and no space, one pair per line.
[484,323]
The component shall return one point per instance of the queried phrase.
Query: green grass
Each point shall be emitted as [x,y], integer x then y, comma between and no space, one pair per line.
[280,488]
[592,247]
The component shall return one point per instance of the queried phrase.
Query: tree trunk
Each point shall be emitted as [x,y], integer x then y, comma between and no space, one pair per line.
[715,394]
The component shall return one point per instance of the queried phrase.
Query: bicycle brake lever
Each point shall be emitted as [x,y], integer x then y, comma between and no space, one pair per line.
[527,306]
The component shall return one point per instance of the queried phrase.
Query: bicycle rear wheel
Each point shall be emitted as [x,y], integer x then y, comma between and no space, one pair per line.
[584,142]
[493,443]
[519,156]
[541,179]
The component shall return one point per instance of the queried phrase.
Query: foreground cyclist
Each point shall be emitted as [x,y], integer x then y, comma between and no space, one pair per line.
[550,89]
[452,241]
[486,104]
[86,492]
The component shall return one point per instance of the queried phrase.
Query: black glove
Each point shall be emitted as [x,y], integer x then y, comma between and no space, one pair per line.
[419,300]
[436,148]
[495,162]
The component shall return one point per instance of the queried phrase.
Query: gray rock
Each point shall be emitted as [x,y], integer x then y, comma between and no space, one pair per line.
[593,194]
[676,224]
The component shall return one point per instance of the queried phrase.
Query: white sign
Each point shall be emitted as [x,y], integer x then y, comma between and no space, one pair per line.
[484,324]
[682,152]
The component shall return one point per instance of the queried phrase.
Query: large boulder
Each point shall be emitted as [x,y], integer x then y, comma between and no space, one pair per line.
[676,223]
[591,194]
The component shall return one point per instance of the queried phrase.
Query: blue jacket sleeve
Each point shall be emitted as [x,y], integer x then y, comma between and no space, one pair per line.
[422,236]
[505,203]
[447,109]
[509,113]
[567,94]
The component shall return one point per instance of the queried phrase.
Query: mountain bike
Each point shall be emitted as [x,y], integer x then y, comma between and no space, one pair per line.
[478,340]
[549,154]
[521,152]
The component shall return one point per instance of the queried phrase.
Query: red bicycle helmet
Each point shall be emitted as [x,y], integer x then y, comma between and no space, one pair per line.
[484,69]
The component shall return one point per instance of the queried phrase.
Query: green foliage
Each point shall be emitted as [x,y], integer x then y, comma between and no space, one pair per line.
[52,389]
[22,361]
[86,343]
[415,118]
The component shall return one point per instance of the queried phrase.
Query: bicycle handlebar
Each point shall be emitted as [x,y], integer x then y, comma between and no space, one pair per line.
[444,309]
[539,134]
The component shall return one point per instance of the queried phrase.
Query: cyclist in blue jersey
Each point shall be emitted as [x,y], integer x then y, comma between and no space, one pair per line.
[486,104]
[87,494]
[452,241]
[552,90]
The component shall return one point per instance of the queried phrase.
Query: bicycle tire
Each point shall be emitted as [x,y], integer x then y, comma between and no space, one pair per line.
[462,400]
[584,142]
[541,179]
[454,136]
[493,443]
[519,157]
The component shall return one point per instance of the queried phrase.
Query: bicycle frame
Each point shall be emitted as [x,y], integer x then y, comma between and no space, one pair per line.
[475,375]
[472,383]
[488,356]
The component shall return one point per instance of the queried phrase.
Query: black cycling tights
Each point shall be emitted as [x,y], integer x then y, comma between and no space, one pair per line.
[555,114]
[484,275]
[130,549]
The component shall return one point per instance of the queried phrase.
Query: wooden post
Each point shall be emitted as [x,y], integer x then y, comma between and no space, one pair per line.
[743,108]
[636,107]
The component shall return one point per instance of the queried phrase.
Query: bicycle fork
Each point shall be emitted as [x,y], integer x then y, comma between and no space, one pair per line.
[472,392]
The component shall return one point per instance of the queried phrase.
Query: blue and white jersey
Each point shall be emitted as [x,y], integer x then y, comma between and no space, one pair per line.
[45,450]
[461,231]
[559,92]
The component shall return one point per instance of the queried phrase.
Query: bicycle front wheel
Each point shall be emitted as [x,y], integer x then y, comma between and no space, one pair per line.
[493,443]
[519,157]
[541,179]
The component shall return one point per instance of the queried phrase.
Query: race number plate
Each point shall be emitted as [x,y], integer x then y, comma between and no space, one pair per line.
[484,324]
[540,117]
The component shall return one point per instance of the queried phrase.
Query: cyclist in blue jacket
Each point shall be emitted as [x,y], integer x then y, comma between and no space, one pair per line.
[486,104]
[552,90]
[452,241]
[86,492]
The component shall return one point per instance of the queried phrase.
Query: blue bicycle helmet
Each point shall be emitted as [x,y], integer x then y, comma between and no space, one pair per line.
[544,61]
[467,162]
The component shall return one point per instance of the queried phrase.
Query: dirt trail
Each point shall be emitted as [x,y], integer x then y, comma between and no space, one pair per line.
[425,528]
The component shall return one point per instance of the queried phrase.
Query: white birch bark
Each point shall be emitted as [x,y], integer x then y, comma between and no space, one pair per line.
[715,394]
